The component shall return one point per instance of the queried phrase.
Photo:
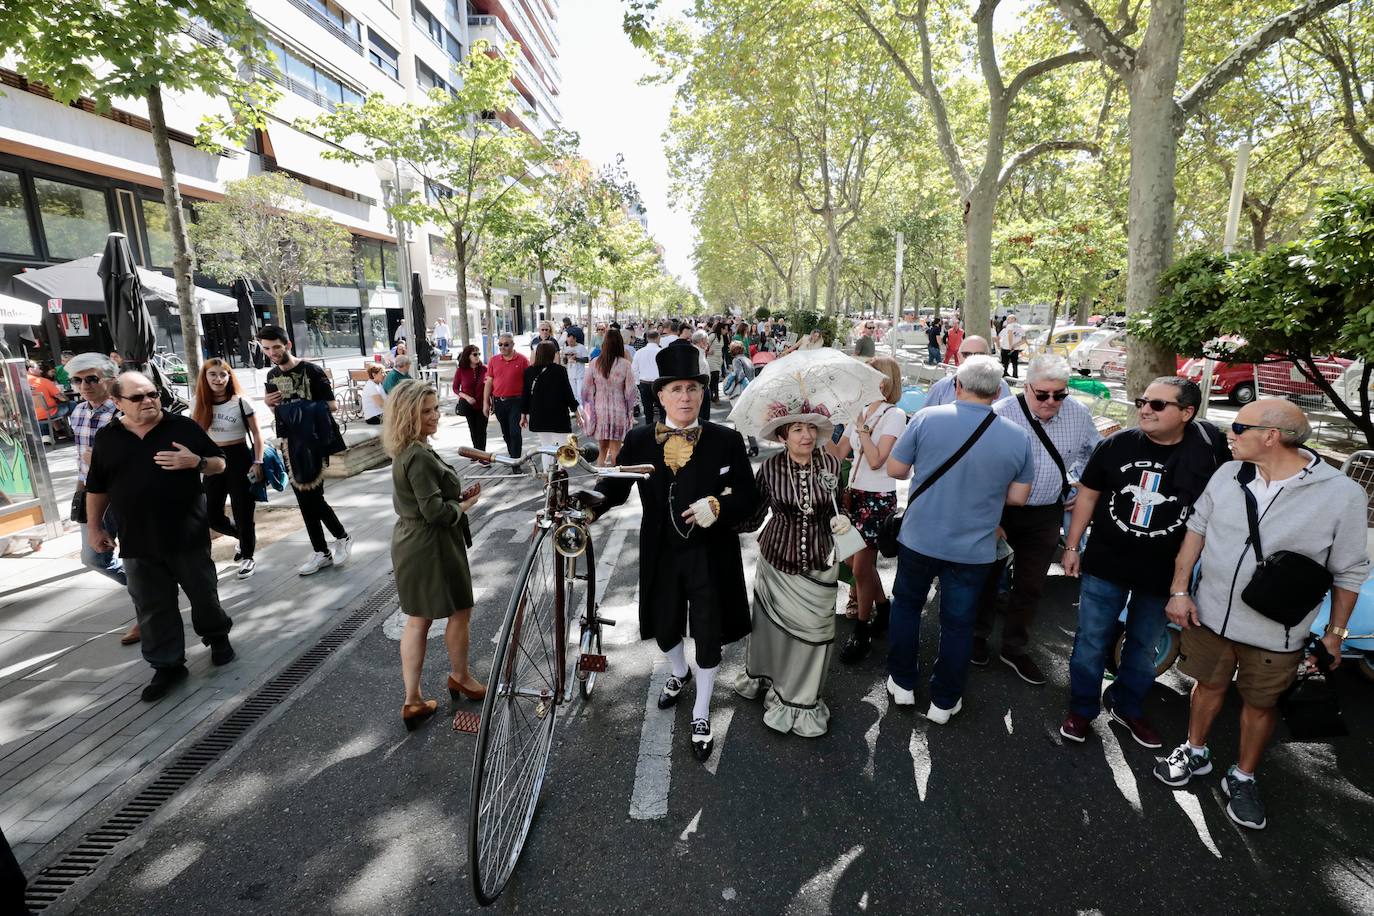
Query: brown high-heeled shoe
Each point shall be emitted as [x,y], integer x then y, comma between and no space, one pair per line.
[456,690]
[412,714]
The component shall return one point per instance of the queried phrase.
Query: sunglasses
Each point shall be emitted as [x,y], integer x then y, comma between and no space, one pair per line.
[506,345]
[85,379]
[1240,428]
[1059,395]
[1155,404]
[138,398]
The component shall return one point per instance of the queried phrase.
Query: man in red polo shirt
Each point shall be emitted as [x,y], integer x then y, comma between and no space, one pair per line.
[505,382]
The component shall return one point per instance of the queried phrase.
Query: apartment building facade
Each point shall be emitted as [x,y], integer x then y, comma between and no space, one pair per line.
[69,175]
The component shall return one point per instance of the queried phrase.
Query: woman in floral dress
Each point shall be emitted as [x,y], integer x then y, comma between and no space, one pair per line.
[609,395]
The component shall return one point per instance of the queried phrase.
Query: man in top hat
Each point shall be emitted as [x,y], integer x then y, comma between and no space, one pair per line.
[691,573]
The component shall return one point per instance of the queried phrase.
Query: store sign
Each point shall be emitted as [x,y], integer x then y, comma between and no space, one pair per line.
[55,306]
[76,326]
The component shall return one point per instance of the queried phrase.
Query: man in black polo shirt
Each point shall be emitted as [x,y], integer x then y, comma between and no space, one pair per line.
[147,466]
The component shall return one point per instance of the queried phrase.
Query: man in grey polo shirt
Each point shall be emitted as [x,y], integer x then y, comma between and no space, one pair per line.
[1032,530]
[949,530]
[942,392]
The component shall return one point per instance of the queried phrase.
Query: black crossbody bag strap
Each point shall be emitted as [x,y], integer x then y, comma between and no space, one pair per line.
[1049,446]
[1251,511]
[953,459]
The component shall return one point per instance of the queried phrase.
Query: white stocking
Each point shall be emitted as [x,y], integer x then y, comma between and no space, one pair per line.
[706,682]
[678,658]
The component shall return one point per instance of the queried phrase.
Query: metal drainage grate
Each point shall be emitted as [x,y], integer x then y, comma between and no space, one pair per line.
[48,886]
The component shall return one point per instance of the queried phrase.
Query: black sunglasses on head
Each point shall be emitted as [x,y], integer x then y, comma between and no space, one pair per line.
[1155,404]
[1059,395]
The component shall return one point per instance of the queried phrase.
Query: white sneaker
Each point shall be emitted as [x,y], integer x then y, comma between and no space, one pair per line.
[246,568]
[342,548]
[47,440]
[900,696]
[317,562]
[941,716]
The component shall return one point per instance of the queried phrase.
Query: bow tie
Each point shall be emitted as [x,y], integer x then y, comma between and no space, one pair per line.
[663,432]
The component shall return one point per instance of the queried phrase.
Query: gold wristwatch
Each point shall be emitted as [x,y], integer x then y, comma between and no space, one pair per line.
[1342,632]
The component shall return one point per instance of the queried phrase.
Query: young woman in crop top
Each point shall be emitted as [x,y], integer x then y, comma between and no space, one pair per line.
[229,418]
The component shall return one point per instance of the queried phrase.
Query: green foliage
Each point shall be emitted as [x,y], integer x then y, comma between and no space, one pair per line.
[803,321]
[762,313]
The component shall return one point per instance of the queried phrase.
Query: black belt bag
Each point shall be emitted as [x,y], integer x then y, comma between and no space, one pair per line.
[1286,585]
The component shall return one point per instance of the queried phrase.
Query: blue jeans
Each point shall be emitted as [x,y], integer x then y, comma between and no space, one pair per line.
[106,563]
[961,585]
[1099,606]
[933,354]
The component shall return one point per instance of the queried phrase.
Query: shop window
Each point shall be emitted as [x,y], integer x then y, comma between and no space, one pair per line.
[15,236]
[76,220]
[391,266]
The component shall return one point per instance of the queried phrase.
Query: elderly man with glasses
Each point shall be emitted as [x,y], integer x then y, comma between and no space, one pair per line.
[1137,489]
[943,391]
[1062,437]
[505,387]
[1302,505]
[147,465]
[92,374]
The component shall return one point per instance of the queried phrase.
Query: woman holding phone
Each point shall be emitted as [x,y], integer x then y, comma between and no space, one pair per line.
[428,546]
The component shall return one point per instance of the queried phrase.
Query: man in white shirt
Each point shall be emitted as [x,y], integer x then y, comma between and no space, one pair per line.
[574,354]
[441,336]
[645,367]
[1011,340]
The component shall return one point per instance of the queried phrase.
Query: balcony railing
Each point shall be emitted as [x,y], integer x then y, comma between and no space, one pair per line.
[329,24]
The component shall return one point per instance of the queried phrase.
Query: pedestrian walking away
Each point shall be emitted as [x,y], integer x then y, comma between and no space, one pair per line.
[302,400]
[1062,437]
[469,386]
[870,500]
[429,545]
[546,401]
[220,408]
[504,384]
[691,570]
[93,376]
[147,465]
[789,647]
[1276,496]
[1137,490]
[646,372]
[968,464]
[737,380]
[608,398]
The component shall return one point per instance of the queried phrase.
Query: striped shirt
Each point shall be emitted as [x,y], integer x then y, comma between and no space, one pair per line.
[1073,433]
[796,541]
[86,421]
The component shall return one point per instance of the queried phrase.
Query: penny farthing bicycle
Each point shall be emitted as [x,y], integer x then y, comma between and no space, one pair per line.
[537,664]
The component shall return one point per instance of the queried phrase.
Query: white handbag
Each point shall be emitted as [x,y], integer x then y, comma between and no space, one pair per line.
[851,541]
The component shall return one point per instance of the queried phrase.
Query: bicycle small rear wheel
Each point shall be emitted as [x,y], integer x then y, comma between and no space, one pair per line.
[515,738]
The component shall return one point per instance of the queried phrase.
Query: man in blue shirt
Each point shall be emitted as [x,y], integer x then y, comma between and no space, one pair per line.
[942,392]
[950,530]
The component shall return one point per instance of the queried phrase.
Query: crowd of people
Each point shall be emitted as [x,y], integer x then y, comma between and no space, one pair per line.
[997,478]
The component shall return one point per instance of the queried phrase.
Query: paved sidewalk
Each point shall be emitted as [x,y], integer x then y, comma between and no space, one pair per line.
[72,726]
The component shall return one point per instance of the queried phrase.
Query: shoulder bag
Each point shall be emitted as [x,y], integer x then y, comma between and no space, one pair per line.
[1286,585]
[1044,438]
[887,535]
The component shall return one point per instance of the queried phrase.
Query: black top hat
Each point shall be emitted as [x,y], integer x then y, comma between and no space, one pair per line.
[678,363]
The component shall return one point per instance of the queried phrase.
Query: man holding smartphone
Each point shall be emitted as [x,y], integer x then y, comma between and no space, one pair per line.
[298,392]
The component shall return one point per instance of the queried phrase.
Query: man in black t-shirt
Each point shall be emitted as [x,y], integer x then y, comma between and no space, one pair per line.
[147,466]
[1137,489]
[292,379]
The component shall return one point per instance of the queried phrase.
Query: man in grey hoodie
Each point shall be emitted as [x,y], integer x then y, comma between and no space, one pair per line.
[1305,506]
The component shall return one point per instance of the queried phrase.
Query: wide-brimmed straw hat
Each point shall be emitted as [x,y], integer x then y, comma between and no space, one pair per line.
[782,415]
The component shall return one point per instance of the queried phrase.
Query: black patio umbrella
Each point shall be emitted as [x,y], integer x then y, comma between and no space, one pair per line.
[130,324]
[248,321]
[423,352]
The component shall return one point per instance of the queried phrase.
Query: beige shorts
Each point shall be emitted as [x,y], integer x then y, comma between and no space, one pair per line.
[1261,676]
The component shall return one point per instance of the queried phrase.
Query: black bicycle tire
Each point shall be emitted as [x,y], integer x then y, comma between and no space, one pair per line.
[587,684]
[486,897]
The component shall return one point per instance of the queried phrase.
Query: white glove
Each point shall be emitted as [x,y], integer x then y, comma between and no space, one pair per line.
[703,513]
[840,524]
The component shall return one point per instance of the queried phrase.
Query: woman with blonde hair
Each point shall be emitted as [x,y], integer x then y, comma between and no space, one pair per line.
[220,409]
[428,546]
[869,501]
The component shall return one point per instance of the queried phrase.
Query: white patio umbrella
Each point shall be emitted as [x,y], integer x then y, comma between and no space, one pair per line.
[807,378]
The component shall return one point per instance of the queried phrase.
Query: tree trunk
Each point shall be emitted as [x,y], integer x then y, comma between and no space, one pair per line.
[460,249]
[491,317]
[281,312]
[978,224]
[1085,303]
[181,241]
[1150,216]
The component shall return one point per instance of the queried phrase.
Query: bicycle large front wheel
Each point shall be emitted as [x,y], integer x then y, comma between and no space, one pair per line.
[516,734]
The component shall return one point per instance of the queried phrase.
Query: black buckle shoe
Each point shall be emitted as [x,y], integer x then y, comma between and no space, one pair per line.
[672,689]
[859,643]
[702,742]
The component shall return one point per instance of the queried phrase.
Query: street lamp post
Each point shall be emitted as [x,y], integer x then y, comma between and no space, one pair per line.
[395,184]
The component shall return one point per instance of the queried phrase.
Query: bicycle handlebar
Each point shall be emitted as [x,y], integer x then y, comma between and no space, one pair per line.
[633,471]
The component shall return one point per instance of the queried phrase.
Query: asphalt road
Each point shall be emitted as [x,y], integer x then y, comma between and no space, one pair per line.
[335,808]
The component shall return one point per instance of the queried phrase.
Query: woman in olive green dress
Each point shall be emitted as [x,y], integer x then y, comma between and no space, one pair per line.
[428,546]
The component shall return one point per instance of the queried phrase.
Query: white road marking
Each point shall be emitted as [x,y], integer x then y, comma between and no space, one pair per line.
[920,760]
[720,724]
[877,698]
[1121,771]
[691,827]
[817,894]
[863,902]
[1191,807]
[521,536]
[1007,721]
[654,769]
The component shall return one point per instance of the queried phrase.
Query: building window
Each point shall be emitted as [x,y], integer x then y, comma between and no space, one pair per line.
[452,46]
[159,232]
[15,236]
[308,81]
[435,192]
[75,219]
[378,264]
[429,24]
[338,18]
[383,56]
